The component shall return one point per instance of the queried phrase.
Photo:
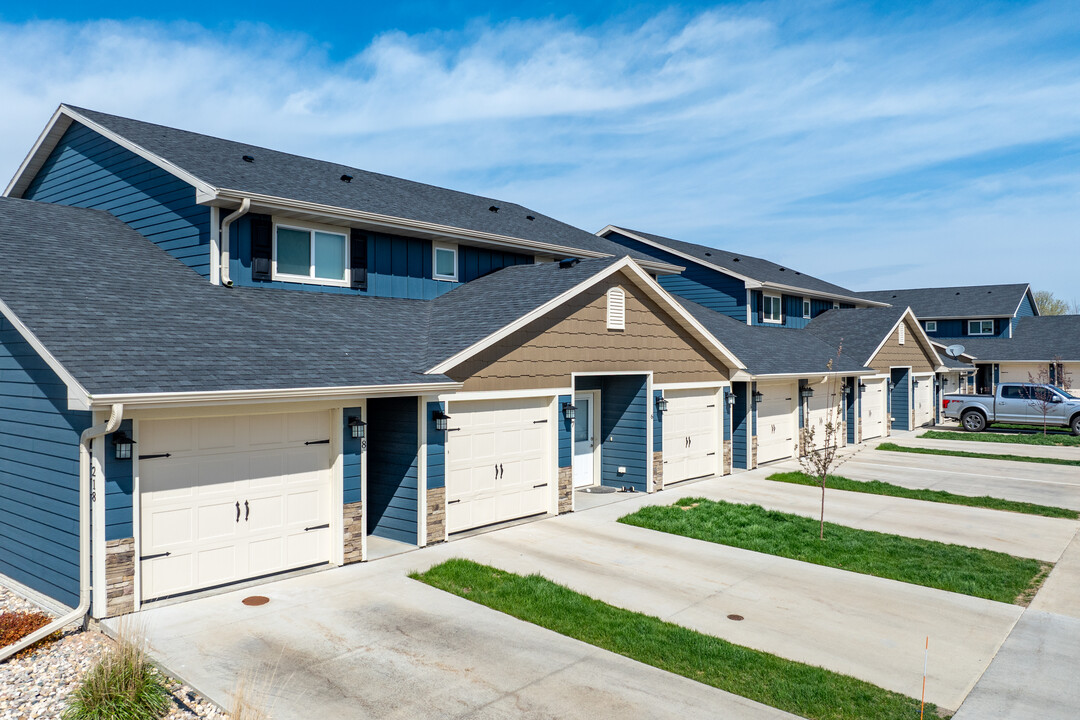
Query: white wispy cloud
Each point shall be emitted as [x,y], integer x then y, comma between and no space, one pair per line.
[917,148]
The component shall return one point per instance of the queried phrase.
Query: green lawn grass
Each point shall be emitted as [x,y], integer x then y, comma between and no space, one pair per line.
[893,447]
[956,568]
[1057,440]
[798,688]
[878,487]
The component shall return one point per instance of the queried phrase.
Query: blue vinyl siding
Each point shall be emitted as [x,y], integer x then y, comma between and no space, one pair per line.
[1026,309]
[740,417]
[352,451]
[436,448]
[791,310]
[398,267]
[392,468]
[566,435]
[849,400]
[727,416]
[658,423]
[88,170]
[118,487]
[900,399]
[696,283]
[802,405]
[624,421]
[39,473]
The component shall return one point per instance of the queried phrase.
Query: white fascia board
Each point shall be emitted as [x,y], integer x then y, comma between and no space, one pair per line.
[391,223]
[626,263]
[686,256]
[46,141]
[234,397]
[1035,305]
[927,342]
[766,377]
[964,317]
[78,397]
[821,294]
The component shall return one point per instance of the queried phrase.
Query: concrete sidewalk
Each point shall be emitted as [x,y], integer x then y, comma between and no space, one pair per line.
[1054,485]
[1061,592]
[1013,533]
[992,448]
[1034,676]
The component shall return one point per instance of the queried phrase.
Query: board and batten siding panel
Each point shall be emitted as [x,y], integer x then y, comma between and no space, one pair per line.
[119,480]
[900,399]
[740,419]
[575,338]
[88,170]
[705,286]
[624,419]
[436,448]
[39,473]
[912,353]
[398,267]
[392,468]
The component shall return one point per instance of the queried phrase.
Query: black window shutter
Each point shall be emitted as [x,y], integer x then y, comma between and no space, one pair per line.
[262,246]
[760,297]
[358,259]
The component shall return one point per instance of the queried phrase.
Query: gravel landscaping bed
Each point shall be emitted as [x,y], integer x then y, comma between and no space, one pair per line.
[36,685]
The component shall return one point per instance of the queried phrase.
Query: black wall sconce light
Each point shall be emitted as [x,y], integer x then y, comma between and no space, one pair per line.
[356,427]
[440,419]
[730,399]
[806,392]
[122,444]
[758,396]
[661,404]
[569,411]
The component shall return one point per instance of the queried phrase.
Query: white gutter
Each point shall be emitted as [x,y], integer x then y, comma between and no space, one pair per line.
[245,205]
[115,417]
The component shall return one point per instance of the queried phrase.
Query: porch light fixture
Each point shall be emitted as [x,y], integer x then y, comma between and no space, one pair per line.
[862,385]
[891,385]
[846,389]
[730,399]
[806,392]
[356,426]
[122,443]
[569,411]
[758,396]
[661,404]
[440,419]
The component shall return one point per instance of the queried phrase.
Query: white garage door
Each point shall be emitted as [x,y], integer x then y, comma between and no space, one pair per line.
[691,435]
[776,422]
[497,465]
[823,407]
[924,401]
[873,409]
[232,498]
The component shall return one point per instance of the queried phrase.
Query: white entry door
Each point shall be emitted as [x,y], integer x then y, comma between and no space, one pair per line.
[230,498]
[924,401]
[497,464]
[873,411]
[585,445]
[776,422]
[691,435]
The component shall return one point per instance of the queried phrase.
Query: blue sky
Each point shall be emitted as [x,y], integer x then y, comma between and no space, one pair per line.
[876,145]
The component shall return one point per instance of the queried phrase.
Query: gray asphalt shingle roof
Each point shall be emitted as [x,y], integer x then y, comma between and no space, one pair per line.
[772,351]
[1035,339]
[123,316]
[755,268]
[955,302]
[220,163]
[860,330]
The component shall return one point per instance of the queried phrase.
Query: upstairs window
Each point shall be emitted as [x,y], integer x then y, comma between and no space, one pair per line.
[980,327]
[310,255]
[770,309]
[806,308]
[445,262]
[616,309]
[931,326]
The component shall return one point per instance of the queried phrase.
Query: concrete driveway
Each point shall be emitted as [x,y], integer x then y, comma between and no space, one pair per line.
[365,641]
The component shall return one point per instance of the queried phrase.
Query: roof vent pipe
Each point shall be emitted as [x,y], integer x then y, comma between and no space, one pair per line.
[85,488]
[245,205]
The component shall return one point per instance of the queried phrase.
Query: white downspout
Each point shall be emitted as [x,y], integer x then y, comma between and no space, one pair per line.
[115,417]
[245,205]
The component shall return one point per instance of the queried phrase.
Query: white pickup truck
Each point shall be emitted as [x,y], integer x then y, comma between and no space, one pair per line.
[1015,404]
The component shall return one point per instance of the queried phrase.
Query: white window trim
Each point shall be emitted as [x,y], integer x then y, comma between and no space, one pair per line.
[435,248]
[980,327]
[931,326]
[765,317]
[806,309]
[310,279]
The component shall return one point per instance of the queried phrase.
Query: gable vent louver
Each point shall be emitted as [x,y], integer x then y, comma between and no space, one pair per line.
[616,309]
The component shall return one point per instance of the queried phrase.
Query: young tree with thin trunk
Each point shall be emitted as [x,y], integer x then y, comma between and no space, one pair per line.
[1042,400]
[820,462]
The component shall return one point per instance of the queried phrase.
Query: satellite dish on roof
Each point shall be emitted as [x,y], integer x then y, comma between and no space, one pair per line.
[954,351]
